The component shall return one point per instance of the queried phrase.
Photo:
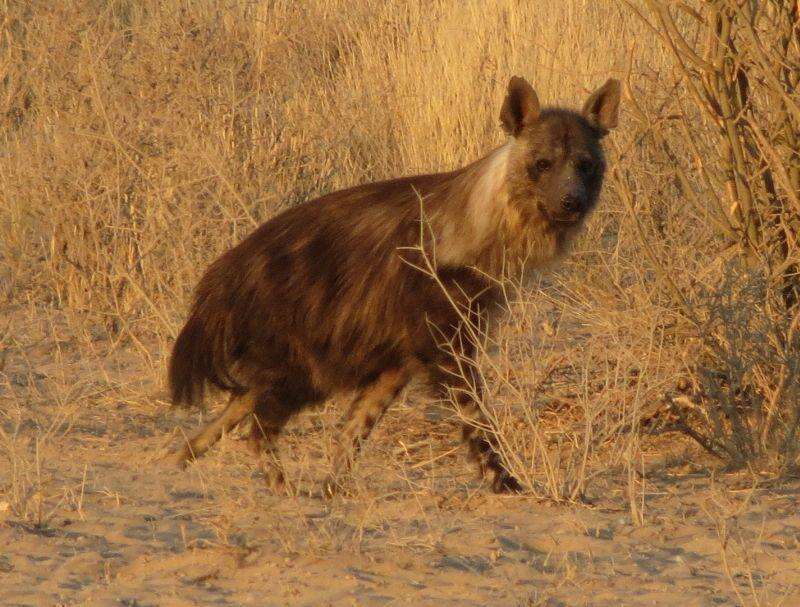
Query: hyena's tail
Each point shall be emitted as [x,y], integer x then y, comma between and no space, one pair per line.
[201,354]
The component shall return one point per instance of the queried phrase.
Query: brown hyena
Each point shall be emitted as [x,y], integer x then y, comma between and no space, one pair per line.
[327,297]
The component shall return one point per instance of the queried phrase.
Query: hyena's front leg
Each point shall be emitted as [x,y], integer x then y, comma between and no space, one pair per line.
[465,388]
[366,409]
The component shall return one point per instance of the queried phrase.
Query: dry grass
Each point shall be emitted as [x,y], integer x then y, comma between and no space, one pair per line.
[138,140]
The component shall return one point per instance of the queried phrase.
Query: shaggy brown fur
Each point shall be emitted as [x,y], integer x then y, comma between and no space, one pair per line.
[327,297]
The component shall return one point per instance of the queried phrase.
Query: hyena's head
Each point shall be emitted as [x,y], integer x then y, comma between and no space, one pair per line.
[555,165]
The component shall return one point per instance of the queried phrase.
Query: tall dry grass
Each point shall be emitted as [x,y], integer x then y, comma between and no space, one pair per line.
[138,140]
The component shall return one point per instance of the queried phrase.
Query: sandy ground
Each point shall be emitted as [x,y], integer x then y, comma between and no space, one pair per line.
[89,517]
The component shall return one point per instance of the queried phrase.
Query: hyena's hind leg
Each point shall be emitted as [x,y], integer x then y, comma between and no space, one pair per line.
[366,409]
[239,407]
[463,386]
[269,418]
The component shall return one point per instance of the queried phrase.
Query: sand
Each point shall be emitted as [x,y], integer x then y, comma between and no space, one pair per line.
[90,516]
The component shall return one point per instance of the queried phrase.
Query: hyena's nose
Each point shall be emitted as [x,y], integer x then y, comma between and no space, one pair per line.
[571,203]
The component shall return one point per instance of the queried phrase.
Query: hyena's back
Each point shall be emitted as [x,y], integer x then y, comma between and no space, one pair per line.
[322,298]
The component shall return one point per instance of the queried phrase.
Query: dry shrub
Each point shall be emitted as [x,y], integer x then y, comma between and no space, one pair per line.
[746,383]
[722,143]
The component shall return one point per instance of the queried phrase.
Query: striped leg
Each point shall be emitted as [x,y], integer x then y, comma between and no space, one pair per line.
[465,389]
[365,411]
[239,407]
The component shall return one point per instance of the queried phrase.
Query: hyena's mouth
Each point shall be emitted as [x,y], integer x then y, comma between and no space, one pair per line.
[568,218]
[564,219]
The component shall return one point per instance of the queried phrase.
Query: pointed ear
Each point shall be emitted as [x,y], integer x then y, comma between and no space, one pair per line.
[520,108]
[602,107]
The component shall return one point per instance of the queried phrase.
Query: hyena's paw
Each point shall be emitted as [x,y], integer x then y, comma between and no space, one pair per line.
[178,458]
[504,482]
[275,479]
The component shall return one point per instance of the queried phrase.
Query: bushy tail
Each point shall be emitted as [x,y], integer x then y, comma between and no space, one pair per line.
[200,355]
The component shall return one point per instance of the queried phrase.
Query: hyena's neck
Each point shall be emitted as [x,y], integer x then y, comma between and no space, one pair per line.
[466,214]
[476,224]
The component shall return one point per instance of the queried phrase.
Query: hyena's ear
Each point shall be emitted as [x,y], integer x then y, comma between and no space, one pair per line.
[520,108]
[602,107]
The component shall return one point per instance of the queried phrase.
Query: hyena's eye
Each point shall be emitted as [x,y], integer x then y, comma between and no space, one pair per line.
[536,169]
[585,166]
